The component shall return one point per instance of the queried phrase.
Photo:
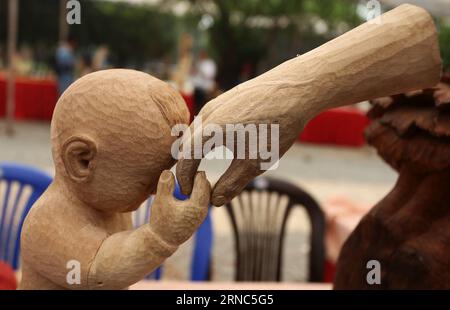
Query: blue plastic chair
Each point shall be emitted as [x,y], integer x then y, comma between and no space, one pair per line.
[15,204]
[202,240]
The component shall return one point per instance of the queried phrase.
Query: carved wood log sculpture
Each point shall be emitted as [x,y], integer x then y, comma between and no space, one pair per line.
[111,137]
[407,231]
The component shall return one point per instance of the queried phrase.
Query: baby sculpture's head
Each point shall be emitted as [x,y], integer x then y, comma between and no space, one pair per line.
[111,137]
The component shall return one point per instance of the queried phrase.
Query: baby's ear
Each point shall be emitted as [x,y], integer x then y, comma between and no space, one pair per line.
[79,156]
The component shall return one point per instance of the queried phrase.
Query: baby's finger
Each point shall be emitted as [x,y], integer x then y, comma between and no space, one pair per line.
[166,184]
[201,192]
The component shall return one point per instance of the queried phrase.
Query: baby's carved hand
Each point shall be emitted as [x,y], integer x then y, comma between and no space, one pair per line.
[174,221]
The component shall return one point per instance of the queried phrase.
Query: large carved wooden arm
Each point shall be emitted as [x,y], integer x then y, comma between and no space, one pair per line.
[398,54]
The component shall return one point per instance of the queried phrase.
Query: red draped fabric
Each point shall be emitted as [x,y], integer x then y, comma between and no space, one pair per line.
[341,126]
[34,99]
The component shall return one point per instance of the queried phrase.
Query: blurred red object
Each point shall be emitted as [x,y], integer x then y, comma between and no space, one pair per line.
[189,99]
[35,98]
[341,126]
[329,271]
[7,277]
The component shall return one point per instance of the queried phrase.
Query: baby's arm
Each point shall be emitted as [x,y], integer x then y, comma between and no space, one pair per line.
[126,257]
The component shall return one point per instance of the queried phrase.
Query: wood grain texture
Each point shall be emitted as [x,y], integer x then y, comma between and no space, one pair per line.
[111,139]
[373,60]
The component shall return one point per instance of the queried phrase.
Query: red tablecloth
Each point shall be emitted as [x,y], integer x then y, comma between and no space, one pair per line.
[35,99]
[341,126]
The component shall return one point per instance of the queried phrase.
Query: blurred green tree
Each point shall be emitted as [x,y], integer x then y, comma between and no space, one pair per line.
[251,34]
[134,33]
[262,33]
[444,40]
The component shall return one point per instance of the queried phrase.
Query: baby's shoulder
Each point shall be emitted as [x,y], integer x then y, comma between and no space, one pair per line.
[52,225]
[55,217]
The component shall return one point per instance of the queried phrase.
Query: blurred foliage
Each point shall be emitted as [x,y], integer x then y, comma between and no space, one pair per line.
[256,34]
[136,33]
[133,33]
[38,21]
[444,40]
[236,41]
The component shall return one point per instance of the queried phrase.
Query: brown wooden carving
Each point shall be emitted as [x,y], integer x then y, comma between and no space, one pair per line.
[407,231]
[111,137]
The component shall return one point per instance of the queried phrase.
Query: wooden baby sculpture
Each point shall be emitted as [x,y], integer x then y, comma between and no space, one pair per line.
[111,137]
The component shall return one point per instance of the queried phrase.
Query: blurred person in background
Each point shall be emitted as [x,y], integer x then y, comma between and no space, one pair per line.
[204,80]
[100,58]
[65,64]
[84,64]
[181,75]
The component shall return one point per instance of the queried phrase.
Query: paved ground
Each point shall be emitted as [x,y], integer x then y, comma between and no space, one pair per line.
[324,171]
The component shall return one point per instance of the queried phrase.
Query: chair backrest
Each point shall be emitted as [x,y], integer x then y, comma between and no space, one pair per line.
[201,255]
[20,187]
[259,220]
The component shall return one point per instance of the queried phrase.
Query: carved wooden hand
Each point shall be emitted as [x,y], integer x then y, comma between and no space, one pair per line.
[174,220]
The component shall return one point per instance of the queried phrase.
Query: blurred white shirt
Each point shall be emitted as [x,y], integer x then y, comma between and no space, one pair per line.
[205,75]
